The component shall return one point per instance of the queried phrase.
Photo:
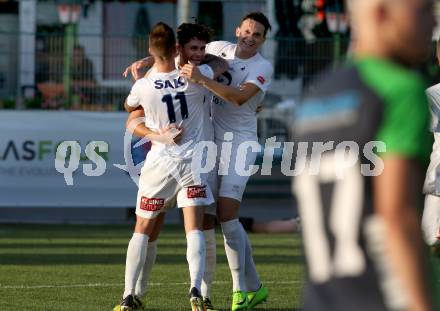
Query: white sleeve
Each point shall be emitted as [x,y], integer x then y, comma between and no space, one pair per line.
[260,75]
[216,47]
[206,71]
[433,94]
[134,98]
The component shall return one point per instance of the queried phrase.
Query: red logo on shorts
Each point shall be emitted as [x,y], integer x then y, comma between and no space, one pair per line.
[261,79]
[152,204]
[195,192]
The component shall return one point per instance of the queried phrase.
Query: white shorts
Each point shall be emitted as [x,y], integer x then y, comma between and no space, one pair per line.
[164,181]
[233,171]
[431,219]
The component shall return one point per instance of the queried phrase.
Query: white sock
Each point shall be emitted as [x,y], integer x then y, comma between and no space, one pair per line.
[211,260]
[144,275]
[253,282]
[195,255]
[235,252]
[136,254]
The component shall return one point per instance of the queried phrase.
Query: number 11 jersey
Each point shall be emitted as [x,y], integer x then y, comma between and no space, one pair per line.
[168,98]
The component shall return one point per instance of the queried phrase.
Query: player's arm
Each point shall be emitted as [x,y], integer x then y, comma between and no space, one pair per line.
[136,68]
[397,190]
[132,102]
[168,135]
[217,64]
[137,128]
[395,201]
[129,108]
[236,96]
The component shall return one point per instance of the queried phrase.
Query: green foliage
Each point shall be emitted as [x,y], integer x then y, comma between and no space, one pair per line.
[7,103]
[33,103]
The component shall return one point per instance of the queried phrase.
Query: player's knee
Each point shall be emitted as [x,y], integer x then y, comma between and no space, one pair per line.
[144,225]
[208,222]
[227,209]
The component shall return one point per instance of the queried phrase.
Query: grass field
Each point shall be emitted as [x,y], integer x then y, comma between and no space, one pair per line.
[66,267]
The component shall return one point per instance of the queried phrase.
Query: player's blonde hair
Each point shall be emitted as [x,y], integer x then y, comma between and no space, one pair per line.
[162,40]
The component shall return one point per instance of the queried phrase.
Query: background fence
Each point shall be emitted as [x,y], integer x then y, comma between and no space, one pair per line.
[90,79]
[96,81]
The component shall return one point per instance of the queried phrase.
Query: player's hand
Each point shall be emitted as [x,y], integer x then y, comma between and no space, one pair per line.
[170,135]
[191,72]
[135,69]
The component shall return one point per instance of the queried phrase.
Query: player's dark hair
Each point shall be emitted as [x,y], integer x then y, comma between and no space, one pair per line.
[162,40]
[188,31]
[258,17]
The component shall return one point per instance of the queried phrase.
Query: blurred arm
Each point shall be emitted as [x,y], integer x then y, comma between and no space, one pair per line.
[395,201]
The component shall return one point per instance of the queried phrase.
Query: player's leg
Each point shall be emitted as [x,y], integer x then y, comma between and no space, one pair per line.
[193,196]
[211,257]
[230,192]
[154,189]
[256,292]
[237,246]
[135,260]
[196,252]
[431,220]
[142,282]
[209,222]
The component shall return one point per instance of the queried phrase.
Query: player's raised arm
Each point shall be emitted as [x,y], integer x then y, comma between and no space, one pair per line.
[217,64]
[236,96]
[136,68]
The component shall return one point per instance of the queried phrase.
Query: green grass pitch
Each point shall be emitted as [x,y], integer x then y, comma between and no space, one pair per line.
[71,267]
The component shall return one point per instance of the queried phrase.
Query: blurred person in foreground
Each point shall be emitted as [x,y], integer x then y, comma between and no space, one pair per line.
[288,225]
[358,192]
[431,212]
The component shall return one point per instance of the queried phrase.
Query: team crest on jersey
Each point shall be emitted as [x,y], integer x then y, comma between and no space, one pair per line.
[152,204]
[261,79]
[194,192]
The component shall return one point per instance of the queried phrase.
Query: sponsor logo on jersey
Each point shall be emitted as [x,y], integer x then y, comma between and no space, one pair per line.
[152,204]
[195,192]
[261,79]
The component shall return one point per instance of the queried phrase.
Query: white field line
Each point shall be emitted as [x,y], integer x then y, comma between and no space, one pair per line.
[89,285]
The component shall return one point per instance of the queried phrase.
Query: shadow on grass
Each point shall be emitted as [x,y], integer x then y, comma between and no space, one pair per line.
[256,309]
[79,245]
[91,245]
[110,259]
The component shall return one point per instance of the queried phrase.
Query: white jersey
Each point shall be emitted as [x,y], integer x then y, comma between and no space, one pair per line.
[431,185]
[168,98]
[231,118]
[208,127]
